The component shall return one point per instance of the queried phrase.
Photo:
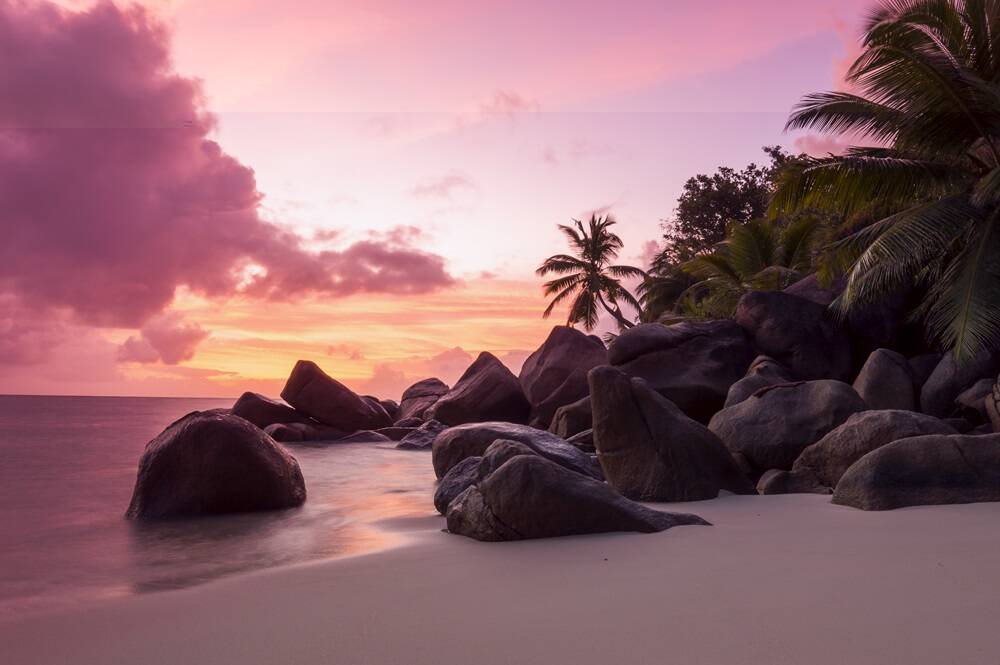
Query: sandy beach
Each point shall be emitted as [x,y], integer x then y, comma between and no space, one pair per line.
[777,580]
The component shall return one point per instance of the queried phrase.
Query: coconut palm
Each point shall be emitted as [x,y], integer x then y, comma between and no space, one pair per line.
[757,256]
[927,93]
[588,276]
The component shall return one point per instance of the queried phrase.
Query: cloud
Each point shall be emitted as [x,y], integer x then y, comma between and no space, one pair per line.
[650,250]
[166,338]
[346,350]
[443,187]
[115,196]
[817,145]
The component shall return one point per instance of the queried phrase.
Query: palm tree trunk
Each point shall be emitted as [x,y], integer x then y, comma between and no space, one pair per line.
[616,313]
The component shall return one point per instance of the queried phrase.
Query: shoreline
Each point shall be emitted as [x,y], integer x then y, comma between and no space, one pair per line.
[778,579]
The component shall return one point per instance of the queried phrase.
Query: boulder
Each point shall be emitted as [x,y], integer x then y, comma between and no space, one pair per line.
[693,364]
[572,418]
[924,470]
[763,372]
[210,463]
[456,443]
[971,402]
[950,378]
[419,397]
[556,373]
[650,451]
[487,391]
[960,425]
[263,411]
[409,422]
[885,382]
[779,481]
[771,428]
[829,458]
[532,497]
[327,400]
[422,437]
[284,433]
[458,479]
[798,333]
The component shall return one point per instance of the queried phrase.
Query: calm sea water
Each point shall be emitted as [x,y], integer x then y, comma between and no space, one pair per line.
[67,466]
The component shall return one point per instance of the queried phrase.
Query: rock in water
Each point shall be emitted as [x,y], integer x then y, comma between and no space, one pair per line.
[924,470]
[263,411]
[486,392]
[572,419]
[327,400]
[763,372]
[830,457]
[208,463]
[797,333]
[456,443]
[556,373]
[950,378]
[419,397]
[693,364]
[531,497]
[423,437]
[886,382]
[772,428]
[650,450]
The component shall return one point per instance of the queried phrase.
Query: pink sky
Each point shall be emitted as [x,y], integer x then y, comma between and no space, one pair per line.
[199,192]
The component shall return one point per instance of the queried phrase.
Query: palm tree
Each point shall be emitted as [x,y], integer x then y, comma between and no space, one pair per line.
[587,277]
[757,256]
[928,94]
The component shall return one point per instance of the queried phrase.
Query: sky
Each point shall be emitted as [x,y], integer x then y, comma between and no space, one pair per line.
[197,193]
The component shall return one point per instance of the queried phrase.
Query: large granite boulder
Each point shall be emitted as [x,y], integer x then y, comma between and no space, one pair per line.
[487,391]
[921,367]
[650,450]
[950,378]
[763,372]
[311,391]
[693,364]
[572,418]
[391,407]
[456,443]
[211,463]
[779,481]
[419,397]
[422,437]
[924,470]
[830,457]
[499,452]
[556,373]
[770,429]
[263,411]
[886,382]
[532,497]
[798,333]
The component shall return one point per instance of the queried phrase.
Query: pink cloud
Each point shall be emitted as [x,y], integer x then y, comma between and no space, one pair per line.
[817,145]
[443,187]
[166,338]
[114,196]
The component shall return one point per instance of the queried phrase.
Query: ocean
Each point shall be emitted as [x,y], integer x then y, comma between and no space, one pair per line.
[67,467]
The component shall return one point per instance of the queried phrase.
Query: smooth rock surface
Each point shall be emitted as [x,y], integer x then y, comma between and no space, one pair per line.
[458,479]
[650,450]
[423,437]
[949,379]
[772,428]
[922,471]
[208,463]
[886,382]
[311,391]
[556,373]
[764,371]
[572,418]
[532,497]
[471,440]
[419,397]
[263,411]
[487,391]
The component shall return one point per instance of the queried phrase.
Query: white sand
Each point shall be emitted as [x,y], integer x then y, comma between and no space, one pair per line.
[778,580]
